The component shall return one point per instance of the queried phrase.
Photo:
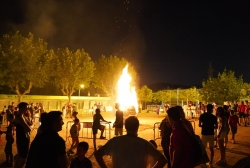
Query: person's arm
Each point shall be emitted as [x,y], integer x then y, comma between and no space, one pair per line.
[99,157]
[63,161]
[161,162]
[176,156]
[200,125]
[215,123]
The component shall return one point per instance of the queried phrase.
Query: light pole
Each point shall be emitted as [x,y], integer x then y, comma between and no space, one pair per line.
[81,86]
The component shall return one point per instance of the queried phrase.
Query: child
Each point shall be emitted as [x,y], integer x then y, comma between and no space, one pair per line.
[81,161]
[233,121]
[74,132]
[9,141]
[97,125]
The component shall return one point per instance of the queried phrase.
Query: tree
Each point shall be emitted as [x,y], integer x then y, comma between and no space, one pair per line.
[226,87]
[72,69]
[107,72]
[24,62]
[145,94]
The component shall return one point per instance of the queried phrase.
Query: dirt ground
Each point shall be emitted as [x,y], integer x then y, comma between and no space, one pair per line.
[234,152]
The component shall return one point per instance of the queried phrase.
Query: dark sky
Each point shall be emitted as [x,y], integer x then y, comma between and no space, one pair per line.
[167,41]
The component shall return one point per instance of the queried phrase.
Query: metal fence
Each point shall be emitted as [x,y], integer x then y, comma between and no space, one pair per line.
[86,129]
[157,131]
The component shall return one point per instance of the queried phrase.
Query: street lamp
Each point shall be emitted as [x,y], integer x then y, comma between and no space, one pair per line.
[81,86]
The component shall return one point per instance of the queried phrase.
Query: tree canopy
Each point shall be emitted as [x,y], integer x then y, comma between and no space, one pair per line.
[145,94]
[24,62]
[226,87]
[72,69]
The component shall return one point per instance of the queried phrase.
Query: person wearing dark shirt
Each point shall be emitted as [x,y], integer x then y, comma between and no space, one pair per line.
[81,161]
[48,148]
[208,122]
[235,106]
[118,124]
[97,125]
[9,141]
[22,135]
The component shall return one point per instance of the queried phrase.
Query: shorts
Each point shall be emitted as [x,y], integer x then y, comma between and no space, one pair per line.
[118,131]
[241,115]
[223,135]
[23,147]
[208,139]
[96,129]
[234,130]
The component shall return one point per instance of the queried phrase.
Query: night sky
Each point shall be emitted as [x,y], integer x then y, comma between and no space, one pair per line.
[167,41]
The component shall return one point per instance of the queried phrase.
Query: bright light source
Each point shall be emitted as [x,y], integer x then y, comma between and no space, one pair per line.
[126,95]
[82,86]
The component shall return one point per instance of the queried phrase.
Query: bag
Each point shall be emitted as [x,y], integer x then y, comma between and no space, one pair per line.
[197,149]
[202,157]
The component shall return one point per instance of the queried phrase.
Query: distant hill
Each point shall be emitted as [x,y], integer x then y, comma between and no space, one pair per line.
[163,86]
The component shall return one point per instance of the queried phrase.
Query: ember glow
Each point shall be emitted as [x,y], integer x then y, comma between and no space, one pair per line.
[126,95]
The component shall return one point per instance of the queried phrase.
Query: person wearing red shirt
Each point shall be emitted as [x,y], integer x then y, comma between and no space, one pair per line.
[181,147]
[233,121]
[246,121]
[241,110]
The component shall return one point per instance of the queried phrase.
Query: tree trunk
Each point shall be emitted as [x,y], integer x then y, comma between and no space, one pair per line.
[20,98]
[69,98]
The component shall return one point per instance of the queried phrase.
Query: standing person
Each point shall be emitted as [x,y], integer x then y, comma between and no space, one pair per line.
[208,122]
[157,110]
[233,121]
[246,121]
[9,141]
[48,148]
[97,125]
[22,135]
[166,106]
[166,130]
[241,109]
[181,147]
[81,161]
[64,109]
[74,133]
[235,106]
[137,153]
[223,129]
[118,124]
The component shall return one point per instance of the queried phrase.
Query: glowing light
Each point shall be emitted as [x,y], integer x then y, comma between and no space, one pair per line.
[126,94]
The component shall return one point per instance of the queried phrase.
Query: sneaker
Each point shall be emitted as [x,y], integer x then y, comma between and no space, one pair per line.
[102,137]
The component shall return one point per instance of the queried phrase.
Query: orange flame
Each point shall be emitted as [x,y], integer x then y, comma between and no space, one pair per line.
[126,95]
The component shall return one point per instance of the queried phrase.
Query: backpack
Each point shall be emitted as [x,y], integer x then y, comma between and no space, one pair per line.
[197,149]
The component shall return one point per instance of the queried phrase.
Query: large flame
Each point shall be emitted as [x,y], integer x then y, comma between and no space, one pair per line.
[126,95]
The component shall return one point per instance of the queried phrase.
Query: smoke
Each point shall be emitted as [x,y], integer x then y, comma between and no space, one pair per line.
[100,27]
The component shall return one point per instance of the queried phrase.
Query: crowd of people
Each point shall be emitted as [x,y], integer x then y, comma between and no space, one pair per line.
[48,149]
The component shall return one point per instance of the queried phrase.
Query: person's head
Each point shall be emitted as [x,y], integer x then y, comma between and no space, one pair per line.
[74,114]
[117,106]
[132,125]
[12,103]
[242,102]
[82,149]
[231,112]
[174,115]
[10,117]
[225,107]
[9,106]
[54,121]
[22,107]
[235,101]
[246,102]
[181,111]
[97,111]
[210,108]
[220,111]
